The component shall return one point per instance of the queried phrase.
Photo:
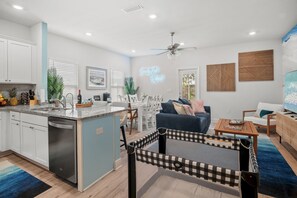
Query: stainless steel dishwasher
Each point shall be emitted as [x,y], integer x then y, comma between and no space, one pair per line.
[62,148]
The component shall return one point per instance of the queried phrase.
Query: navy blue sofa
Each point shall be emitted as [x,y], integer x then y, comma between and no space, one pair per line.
[169,118]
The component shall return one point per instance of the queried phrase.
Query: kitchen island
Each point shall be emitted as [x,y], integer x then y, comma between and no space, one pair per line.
[98,138]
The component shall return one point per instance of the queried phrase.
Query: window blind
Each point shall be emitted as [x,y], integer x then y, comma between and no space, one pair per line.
[69,72]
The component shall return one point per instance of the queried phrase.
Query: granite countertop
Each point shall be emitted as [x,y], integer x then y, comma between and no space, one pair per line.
[75,114]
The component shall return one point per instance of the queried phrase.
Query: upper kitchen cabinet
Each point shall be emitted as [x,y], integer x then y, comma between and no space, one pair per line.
[3,60]
[17,62]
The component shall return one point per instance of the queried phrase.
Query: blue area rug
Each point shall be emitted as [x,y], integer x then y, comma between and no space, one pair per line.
[14,182]
[277,179]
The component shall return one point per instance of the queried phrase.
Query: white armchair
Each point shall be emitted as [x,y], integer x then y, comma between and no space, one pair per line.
[269,120]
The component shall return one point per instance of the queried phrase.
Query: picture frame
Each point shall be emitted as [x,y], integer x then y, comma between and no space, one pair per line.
[96,78]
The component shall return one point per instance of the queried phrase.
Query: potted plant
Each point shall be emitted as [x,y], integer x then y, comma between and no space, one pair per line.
[130,87]
[55,84]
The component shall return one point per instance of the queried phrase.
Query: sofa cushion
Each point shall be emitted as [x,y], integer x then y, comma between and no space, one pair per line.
[269,107]
[185,101]
[260,121]
[179,108]
[198,106]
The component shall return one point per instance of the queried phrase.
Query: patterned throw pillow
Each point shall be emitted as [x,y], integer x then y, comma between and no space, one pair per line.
[198,106]
[189,110]
[179,108]
[184,101]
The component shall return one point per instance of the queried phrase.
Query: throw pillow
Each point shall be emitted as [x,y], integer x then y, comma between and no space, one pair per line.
[198,106]
[264,113]
[189,110]
[184,101]
[168,108]
[179,108]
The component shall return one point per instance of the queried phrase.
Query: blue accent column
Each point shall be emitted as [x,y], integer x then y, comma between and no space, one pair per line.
[44,33]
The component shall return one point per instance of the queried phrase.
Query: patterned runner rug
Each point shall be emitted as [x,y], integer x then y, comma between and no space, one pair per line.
[15,182]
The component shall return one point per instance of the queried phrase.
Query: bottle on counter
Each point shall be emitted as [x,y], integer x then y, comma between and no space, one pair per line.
[79,97]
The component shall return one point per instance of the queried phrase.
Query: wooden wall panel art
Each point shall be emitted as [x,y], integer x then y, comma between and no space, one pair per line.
[221,77]
[256,66]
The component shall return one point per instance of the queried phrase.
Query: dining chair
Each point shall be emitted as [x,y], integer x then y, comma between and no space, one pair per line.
[133,98]
[132,115]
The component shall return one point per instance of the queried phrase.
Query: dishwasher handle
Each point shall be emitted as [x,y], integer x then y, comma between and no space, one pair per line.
[60,126]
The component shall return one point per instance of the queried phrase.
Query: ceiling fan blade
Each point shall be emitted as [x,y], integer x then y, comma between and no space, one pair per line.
[158,49]
[187,48]
[162,53]
[176,45]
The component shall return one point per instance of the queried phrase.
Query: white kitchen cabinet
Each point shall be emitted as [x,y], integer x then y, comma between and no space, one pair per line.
[1,133]
[15,130]
[19,62]
[28,141]
[42,153]
[34,138]
[3,60]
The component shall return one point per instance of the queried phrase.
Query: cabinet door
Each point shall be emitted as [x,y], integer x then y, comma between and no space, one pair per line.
[41,134]
[19,62]
[28,141]
[3,60]
[1,135]
[15,130]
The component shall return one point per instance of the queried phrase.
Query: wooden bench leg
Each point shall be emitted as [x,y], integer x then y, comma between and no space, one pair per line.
[268,130]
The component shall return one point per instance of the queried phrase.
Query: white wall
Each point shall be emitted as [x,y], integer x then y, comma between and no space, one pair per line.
[64,49]
[223,104]
[14,30]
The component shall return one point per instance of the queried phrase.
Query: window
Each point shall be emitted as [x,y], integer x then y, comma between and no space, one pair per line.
[117,84]
[188,84]
[69,72]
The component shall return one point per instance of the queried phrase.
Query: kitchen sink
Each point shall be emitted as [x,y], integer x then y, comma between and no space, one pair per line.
[46,109]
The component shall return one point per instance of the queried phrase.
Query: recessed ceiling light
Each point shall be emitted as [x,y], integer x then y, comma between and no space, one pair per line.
[17,7]
[89,34]
[182,44]
[133,51]
[153,16]
[252,33]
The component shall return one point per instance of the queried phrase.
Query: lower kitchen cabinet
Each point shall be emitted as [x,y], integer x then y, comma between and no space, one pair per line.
[28,141]
[41,135]
[15,130]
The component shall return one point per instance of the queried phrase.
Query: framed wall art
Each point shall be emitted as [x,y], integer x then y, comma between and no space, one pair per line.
[96,78]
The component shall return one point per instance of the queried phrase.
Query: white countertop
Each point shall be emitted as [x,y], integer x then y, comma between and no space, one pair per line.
[74,114]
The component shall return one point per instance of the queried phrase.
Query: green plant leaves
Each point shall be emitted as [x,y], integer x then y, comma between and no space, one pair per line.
[55,84]
[129,86]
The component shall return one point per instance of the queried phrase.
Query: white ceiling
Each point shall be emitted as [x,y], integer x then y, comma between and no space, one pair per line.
[200,23]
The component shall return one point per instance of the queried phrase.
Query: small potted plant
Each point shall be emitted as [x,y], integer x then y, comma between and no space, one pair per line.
[12,94]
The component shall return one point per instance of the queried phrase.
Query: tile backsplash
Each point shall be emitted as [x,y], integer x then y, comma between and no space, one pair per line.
[20,88]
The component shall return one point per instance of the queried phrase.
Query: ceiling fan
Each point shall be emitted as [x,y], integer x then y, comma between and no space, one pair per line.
[174,48]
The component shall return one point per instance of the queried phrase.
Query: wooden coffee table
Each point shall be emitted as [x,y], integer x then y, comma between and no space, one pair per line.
[247,129]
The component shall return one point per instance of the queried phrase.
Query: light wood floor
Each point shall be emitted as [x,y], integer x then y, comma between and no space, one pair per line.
[114,184]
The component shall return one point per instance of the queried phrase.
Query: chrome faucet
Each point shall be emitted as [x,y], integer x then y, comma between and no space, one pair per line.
[62,101]
[71,103]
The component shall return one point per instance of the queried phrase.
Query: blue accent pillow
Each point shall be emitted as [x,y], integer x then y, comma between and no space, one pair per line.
[184,101]
[264,113]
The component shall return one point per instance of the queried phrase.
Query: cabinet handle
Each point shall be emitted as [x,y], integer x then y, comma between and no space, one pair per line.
[31,127]
[9,80]
[13,116]
[17,124]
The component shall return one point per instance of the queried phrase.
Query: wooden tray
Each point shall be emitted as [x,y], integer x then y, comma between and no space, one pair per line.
[236,122]
[84,105]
